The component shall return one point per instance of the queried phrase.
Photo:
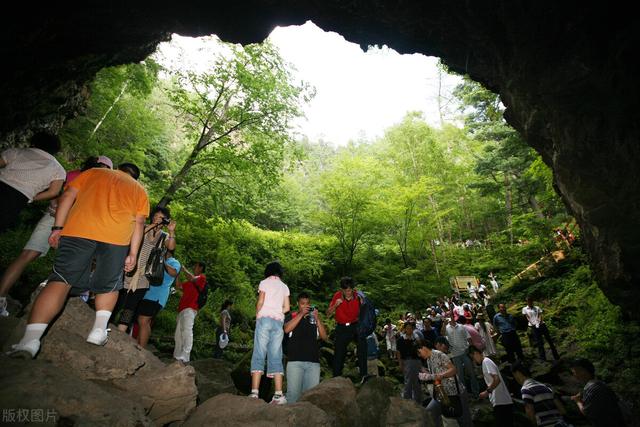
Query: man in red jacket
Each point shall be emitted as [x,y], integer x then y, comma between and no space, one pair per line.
[188,310]
[346,307]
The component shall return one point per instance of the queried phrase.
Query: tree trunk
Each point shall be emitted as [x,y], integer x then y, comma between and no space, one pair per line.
[508,206]
[435,257]
[434,206]
[178,179]
[533,202]
[115,101]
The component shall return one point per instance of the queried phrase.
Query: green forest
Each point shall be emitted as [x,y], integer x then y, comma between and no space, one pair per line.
[401,214]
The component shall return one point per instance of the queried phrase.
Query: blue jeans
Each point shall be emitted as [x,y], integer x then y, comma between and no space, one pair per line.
[267,344]
[301,376]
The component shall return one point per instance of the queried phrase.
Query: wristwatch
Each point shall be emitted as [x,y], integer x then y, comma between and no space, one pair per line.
[56,227]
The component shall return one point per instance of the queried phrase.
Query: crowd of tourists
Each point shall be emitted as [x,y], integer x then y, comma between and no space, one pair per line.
[96,220]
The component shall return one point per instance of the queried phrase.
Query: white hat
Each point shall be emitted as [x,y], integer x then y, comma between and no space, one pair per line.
[224,340]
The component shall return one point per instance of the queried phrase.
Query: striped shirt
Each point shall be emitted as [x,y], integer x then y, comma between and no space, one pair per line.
[541,397]
[601,405]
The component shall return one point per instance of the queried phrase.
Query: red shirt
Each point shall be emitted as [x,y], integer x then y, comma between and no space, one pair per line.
[192,289]
[347,311]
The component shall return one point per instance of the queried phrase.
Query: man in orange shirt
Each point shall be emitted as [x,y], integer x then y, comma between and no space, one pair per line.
[100,215]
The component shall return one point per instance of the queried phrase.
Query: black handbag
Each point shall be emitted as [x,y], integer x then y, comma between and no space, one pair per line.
[154,270]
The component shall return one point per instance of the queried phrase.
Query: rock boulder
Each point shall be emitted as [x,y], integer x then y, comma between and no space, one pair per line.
[213,377]
[226,410]
[61,397]
[373,400]
[336,397]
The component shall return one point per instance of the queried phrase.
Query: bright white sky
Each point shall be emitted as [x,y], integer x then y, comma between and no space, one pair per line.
[358,94]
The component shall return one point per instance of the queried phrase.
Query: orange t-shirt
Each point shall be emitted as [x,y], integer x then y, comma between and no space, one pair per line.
[106,206]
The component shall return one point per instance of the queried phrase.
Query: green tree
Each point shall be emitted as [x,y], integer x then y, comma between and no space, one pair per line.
[236,118]
[348,203]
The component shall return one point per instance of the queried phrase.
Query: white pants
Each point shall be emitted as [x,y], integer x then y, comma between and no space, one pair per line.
[184,334]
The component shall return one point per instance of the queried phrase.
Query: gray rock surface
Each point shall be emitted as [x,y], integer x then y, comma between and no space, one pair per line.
[337,397]
[227,410]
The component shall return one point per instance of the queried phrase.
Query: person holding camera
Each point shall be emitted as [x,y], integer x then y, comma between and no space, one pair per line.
[303,328]
[136,283]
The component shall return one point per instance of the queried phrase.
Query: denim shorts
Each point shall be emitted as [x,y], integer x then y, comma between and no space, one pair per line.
[267,344]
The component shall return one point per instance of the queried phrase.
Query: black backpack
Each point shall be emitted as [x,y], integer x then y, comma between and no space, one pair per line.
[202,295]
[368,318]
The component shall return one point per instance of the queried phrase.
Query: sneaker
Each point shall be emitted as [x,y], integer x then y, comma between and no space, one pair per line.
[24,351]
[98,336]
[3,307]
[278,399]
[254,396]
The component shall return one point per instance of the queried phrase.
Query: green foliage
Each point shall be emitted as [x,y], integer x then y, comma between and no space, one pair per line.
[236,120]
[395,213]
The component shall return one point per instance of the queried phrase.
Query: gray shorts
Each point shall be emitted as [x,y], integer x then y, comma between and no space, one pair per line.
[74,258]
[39,240]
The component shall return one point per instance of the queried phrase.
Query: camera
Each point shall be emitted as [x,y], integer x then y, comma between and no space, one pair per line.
[311,308]
[165,221]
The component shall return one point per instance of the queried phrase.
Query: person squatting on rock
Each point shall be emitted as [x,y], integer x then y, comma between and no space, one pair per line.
[303,327]
[345,305]
[188,310]
[100,215]
[38,243]
[438,370]
[596,401]
[273,303]
[136,283]
[156,298]
[541,404]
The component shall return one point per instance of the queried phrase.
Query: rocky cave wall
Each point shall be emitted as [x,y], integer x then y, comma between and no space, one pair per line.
[563,69]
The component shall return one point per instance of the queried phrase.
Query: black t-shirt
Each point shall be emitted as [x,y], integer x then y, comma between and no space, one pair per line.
[302,345]
[407,348]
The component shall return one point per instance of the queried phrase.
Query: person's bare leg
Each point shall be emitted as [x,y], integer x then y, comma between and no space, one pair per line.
[144,330]
[277,378]
[49,302]
[255,380]
[106,301]
[15,269]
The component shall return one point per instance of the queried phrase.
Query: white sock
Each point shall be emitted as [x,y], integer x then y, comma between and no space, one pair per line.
[254,391]
[102,319]
[34,331]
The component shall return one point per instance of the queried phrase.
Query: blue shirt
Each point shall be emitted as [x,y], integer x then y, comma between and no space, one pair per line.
[160,293]
[504,323]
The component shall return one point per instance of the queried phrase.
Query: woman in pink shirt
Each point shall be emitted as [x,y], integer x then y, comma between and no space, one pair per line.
[273,303]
